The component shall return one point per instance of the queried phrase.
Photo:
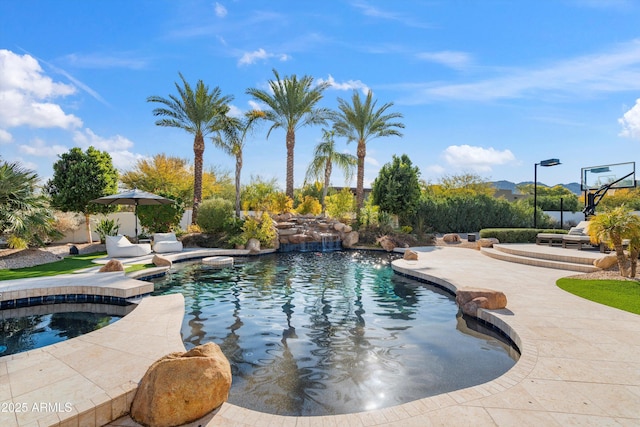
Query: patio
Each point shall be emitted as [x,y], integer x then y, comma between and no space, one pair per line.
[579,363]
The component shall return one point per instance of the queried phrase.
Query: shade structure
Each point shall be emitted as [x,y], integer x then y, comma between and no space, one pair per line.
[134,197]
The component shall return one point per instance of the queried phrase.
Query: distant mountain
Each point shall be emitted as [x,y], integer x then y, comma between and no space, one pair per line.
[574,187]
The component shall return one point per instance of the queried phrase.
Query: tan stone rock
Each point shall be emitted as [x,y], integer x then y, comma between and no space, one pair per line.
[387,243]
[451,238]
[486,242]
[350,239]
[253,245]
[606,262]
[111,266]
[410,255]
[182,387]
[471,299]
[160,261]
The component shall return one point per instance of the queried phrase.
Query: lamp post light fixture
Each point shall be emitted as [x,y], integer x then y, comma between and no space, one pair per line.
[545,163]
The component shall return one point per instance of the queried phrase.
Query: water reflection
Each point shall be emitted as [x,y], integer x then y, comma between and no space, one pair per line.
[330,333]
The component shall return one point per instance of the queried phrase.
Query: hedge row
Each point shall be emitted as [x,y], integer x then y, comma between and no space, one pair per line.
[516,235]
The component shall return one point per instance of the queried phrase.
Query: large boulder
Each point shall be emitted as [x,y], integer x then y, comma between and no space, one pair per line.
[160,261]
[182,387]
[606,262]
[410,255]
[350,239]
[253,245]
[471,299]
[486,242]
[111,266]
[451,238]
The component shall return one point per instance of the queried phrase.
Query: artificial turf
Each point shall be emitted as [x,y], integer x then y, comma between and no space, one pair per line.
[622,294]
[64,266]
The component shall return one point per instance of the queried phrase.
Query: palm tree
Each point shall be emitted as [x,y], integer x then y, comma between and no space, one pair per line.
[292,105]
[324,156]
[235,131]
[198,112]
[612,227]
[361,123]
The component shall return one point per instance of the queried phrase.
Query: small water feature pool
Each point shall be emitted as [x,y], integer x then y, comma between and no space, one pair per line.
[332,333]
[28,328]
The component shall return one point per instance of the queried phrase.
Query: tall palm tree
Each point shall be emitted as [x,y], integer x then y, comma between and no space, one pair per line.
[324,156]
[235,131]
[612,227]
[292,105]
[362,122]
[198,112]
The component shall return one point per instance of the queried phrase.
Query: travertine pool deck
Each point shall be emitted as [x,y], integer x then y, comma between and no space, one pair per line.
[580,362]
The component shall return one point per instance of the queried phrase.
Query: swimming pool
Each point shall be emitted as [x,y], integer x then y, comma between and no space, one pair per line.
[28,328]
[332,333]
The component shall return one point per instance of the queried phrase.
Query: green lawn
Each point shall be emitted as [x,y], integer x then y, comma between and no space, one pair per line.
[622,294]
[67,265]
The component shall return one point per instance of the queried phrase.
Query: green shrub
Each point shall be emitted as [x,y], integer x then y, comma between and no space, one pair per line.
[161,218]
[516,235]
[341,205]
[309,205]
[107,227]
[214,214]
[263,230]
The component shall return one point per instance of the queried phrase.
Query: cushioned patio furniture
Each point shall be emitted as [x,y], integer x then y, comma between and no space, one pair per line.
[579,235]
[166,242]
[549,238]
[121,247]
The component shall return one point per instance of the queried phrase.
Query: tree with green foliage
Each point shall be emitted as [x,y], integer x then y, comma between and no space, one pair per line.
[324,157]
[548,198]
[161,218]
[341,205]
[255,195]
[361,122]
[24,214]
[464,183]
[292,105]
[235,132]
[198,112]
[78,178]
[630,197]
[396,189]
[612,227]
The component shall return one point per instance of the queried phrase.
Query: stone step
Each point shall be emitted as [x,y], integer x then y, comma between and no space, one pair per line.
[551,254]
[538,262]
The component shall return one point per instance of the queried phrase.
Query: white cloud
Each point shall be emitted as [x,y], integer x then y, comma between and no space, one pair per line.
[452,59]
[476,158]
[630,122]
[117,146]
[583,76]
[221,11]
[104,61]
[26,94]
[234,111]
[249,58]
[372,161]
[348,85]
[39,148]
[256,105]
[5,137]
[88,138]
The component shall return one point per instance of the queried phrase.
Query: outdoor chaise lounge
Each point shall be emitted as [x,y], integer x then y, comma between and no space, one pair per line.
[549,238]
[166,242]
[120,246]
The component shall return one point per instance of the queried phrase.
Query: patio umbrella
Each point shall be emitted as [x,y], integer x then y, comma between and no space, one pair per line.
[134,197]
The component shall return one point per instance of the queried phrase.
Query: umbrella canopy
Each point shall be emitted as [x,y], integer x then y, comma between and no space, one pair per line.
[133,197]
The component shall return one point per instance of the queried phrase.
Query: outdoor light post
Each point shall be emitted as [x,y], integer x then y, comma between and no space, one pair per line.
[544,163]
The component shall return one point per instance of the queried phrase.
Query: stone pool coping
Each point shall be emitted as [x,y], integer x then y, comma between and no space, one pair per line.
[578,364]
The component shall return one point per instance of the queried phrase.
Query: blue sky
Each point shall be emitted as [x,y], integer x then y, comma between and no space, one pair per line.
[489,87]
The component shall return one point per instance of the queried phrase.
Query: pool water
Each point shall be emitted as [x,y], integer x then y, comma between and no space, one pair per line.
[20,331]
[332,333]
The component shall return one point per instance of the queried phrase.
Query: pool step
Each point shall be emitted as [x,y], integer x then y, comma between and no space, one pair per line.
[523,255]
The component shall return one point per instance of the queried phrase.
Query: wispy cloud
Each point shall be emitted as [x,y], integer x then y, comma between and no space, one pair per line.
[5,137]
[375,12]
[448,58]
[617,70]
[39,148]
[105,61]
[630,122]
[220,10]
[117,146]
[348,85]
[249,58]
[478,159]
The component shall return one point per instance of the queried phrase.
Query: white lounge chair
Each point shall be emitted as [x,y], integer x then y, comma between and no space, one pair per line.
[121,247]
[166,242]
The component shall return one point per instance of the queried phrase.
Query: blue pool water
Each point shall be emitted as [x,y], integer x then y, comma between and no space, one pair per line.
[21,331]
[332,333]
